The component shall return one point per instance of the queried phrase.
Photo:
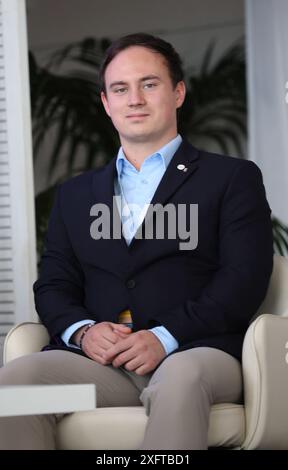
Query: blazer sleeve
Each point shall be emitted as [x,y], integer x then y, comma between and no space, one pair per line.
[233,295]
[59,291]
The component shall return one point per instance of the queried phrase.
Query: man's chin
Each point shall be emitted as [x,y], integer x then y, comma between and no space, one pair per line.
[142,137]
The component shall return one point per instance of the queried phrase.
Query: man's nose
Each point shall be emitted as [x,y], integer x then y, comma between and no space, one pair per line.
[136,97]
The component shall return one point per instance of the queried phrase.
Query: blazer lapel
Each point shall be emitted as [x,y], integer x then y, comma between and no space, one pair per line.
[187,156]
[103,184]
[174,177]
[103,191]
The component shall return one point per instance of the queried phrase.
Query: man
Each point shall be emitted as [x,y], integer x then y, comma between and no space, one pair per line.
[187,304]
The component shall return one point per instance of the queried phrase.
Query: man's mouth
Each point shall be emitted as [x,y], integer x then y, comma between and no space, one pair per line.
[137,116]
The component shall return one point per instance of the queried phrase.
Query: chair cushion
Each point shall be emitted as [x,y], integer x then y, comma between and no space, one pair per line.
[123,428]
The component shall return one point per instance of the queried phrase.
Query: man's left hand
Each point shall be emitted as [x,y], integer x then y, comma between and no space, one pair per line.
[141,352]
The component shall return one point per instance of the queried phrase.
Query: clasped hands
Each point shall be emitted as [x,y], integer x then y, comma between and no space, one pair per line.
[116,344]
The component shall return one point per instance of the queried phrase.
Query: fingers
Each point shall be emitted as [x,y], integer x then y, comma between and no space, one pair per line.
[121,336]
[140,352]
[123,329]
[122,352]
[110,336]
[97,340]
[105,343]
[96,350]
[119,326]
[122,358]
[142,370]
[109,332]
[113,331]
[99,359]
[103,337]
[116,332]
[134,364]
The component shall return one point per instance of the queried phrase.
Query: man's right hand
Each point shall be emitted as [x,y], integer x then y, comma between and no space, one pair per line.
[99,338]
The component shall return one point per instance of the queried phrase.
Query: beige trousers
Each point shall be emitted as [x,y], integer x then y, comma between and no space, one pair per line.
[177,396]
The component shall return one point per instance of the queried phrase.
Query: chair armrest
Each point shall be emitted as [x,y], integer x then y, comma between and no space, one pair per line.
[265,375]
[24,338]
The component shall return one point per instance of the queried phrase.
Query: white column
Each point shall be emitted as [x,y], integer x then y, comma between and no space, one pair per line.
[17,222]
[267,54]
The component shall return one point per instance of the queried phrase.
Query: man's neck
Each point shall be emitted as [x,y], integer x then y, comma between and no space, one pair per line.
[137,152]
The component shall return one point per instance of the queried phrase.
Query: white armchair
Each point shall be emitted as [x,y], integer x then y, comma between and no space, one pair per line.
[261,423]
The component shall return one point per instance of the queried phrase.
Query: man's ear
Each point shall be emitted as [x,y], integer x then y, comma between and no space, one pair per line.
[105,103]
[180,93]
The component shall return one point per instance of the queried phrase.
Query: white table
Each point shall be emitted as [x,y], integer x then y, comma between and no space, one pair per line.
[20,400]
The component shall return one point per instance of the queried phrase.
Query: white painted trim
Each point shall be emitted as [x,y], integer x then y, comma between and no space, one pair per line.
[20,157]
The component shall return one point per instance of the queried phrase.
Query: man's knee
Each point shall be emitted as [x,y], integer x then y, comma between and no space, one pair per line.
[179,368]
[176,379]
[24,370]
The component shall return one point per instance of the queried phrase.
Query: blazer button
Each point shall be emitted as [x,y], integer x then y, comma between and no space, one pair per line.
[131,284]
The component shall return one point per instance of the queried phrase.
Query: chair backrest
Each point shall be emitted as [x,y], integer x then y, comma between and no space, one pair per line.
[276,300]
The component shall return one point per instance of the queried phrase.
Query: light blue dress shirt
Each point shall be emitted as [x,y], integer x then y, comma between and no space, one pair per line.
[136,189]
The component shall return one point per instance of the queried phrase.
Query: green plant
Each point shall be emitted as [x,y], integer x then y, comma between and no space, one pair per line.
[69,103]
[43,205]
[215,107]
[280,237]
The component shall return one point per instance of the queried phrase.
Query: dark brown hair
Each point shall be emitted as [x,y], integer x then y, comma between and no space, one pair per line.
[154,43]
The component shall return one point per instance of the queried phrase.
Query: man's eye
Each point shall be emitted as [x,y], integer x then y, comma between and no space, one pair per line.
[119,90]
[149,85]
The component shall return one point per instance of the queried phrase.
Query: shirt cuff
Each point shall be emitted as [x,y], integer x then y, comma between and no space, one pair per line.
[168,341]
[67,334]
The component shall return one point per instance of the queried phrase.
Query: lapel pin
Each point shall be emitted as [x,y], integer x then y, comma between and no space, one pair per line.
[182,167]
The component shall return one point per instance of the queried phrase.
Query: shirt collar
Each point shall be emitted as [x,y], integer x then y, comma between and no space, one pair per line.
[166,153]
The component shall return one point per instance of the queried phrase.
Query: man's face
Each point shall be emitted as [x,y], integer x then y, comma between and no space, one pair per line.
[140,98]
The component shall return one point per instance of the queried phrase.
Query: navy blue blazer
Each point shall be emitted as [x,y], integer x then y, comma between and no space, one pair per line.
[205,296]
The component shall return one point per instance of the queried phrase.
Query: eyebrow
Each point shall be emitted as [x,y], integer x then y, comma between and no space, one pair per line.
[143,79]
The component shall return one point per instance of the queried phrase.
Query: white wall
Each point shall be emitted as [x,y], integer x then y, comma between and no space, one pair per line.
[267,39]
[189,24]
